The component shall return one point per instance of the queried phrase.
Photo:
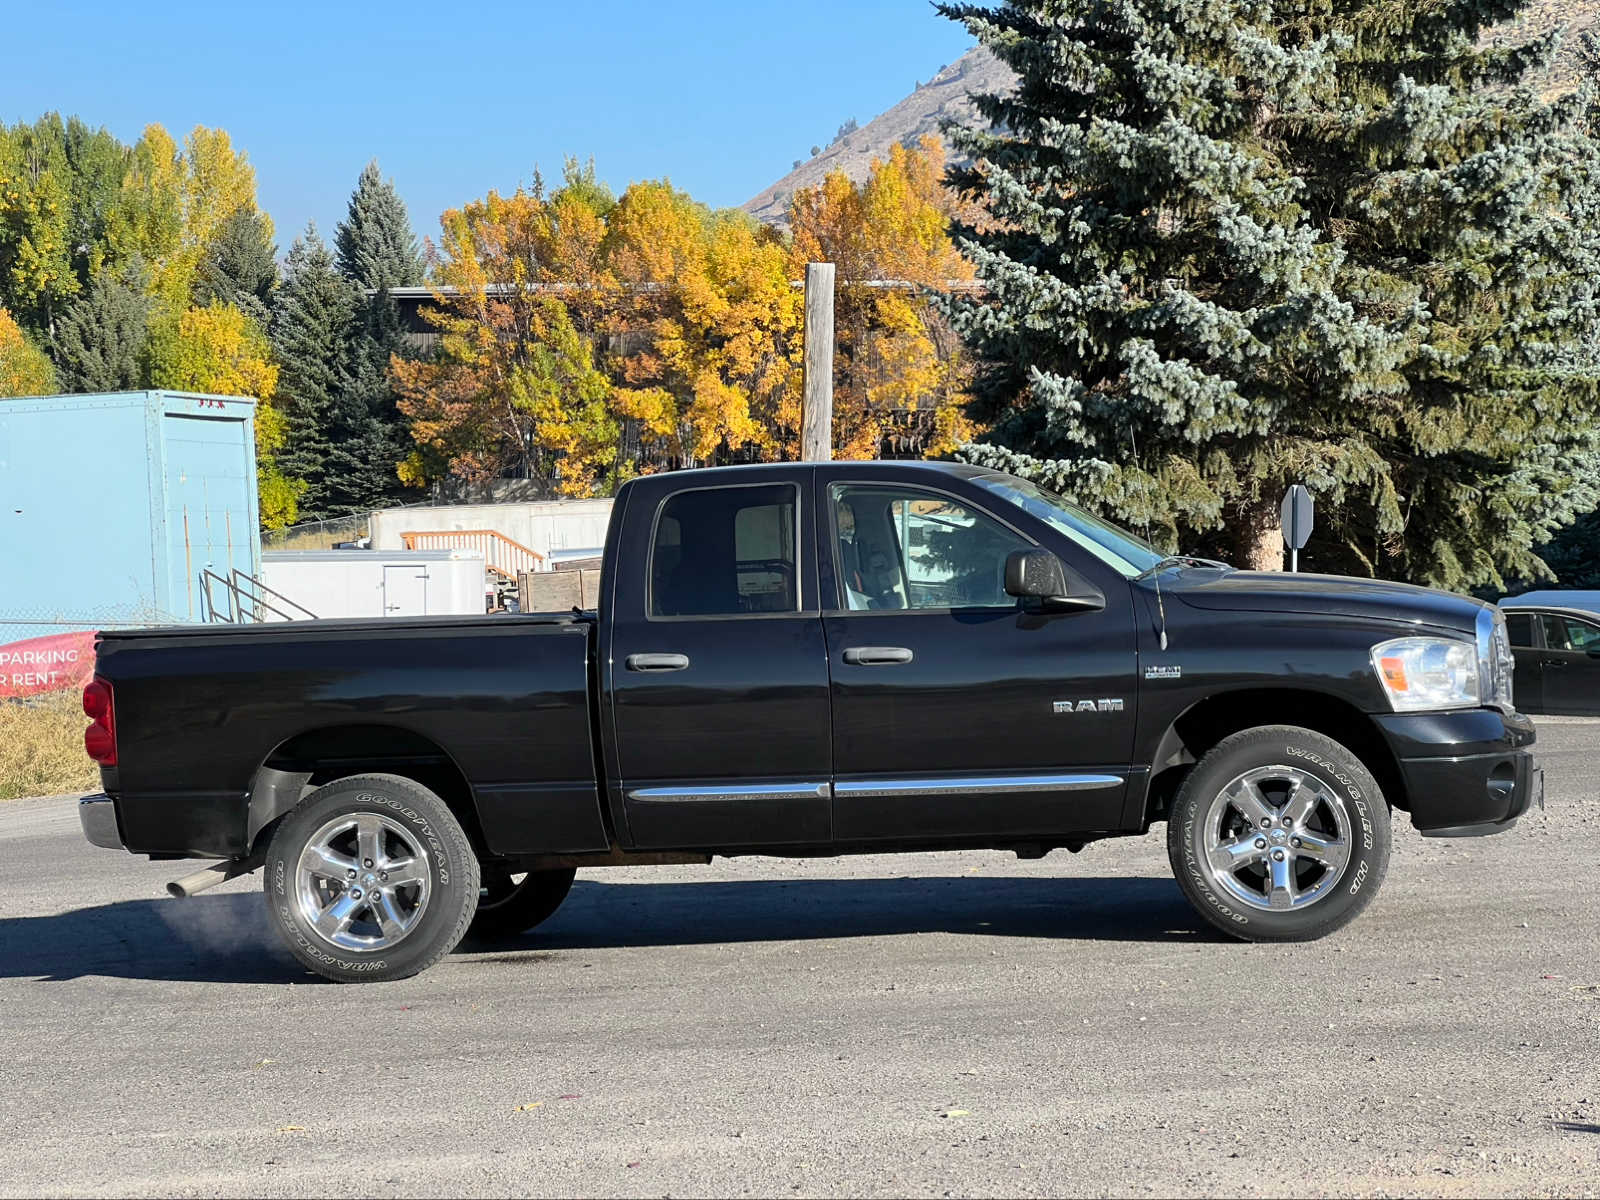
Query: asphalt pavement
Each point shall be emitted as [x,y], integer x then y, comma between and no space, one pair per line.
[921,1024]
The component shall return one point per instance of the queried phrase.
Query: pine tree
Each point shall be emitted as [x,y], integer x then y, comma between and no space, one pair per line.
[240,266]
[1234,245]
[100,342]
[312,317]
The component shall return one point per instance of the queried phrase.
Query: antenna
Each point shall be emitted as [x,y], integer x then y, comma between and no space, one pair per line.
[1161,607]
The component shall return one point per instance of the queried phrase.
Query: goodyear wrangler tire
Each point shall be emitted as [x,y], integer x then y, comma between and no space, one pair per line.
[371,878]
[1279,834]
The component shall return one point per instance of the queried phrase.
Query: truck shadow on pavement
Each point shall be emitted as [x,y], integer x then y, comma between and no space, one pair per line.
[601,915]
[226,938]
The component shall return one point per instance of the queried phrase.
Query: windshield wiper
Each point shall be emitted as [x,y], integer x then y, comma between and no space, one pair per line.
[1183,560]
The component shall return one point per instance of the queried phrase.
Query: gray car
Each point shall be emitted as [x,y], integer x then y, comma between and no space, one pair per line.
[1555,639]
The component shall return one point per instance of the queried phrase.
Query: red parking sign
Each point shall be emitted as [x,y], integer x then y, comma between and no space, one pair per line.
[46,664]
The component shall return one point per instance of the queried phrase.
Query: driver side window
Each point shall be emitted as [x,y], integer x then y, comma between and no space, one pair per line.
[903,549]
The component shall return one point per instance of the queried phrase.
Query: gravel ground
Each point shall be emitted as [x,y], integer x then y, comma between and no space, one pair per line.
[920,1024]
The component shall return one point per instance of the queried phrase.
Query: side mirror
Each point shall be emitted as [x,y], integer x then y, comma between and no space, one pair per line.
[1042,581]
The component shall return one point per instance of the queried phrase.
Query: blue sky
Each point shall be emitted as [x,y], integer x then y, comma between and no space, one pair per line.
[453,99]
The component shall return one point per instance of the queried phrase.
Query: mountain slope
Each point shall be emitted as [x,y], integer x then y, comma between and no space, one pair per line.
[945,95]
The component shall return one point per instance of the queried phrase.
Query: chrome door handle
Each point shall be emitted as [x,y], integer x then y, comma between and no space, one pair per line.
[877,656]
[1554,662]
[657,662]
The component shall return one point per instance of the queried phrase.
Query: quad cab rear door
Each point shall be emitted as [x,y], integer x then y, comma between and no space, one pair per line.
[715,670]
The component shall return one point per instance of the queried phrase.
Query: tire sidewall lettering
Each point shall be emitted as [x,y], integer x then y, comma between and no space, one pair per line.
[1197,876]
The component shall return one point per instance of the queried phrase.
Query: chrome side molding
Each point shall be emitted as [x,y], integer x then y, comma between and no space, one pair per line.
[986,785]
[754,791]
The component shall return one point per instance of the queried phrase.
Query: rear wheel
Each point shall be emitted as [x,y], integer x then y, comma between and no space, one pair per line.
[371,878]
[511,902]
[1279,834]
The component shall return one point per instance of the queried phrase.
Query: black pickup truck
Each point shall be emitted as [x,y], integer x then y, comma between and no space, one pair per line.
[809,660]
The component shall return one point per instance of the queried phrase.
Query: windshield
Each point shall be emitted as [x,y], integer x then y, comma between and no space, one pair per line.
[1116,547]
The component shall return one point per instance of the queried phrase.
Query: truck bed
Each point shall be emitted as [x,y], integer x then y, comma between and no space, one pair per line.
[510,695]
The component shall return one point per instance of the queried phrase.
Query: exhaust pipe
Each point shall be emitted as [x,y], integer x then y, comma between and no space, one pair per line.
[209,877]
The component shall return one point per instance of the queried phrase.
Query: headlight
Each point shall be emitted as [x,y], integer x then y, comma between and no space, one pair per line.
[1421,673]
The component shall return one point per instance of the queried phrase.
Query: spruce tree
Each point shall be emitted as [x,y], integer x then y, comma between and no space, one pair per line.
[100,342]
[376,252]
[369,432]
[375,245]
[312,323]
[240,266]
[1233,245]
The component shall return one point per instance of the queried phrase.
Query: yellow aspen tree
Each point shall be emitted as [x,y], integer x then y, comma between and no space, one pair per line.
[708,328]
[513,386]
[24,368]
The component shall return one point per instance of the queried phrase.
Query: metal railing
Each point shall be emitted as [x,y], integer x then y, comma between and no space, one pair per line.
[249,601]
[502,555]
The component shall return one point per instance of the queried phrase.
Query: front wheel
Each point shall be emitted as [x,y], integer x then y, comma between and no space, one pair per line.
[1279,834]
[371,878]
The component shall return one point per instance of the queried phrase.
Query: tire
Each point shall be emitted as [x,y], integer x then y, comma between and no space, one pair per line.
[509,904]
[1316,863]
[318,861]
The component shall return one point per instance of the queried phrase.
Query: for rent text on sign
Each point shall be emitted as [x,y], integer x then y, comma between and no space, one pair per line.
[46,664]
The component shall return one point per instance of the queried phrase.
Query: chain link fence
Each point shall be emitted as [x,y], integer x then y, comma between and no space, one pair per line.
[317,535]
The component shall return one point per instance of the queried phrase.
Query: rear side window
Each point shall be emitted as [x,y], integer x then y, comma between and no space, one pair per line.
[725,552]
[1520,627]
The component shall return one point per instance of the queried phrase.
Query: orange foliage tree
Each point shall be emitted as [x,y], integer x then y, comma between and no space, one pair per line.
[899,373]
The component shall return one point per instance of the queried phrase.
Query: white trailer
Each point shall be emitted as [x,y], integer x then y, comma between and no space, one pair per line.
[378,583]
[541,527]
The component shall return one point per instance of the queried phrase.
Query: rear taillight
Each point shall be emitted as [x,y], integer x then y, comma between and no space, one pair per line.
[100,739]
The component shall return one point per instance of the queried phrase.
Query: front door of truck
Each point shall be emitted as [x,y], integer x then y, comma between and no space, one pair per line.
[956,714]
[718,676]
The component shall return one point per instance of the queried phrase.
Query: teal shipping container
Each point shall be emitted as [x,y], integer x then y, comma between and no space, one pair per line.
[113,507]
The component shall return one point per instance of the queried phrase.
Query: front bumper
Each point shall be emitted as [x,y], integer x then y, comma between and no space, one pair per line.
[98,816]
[1468,773]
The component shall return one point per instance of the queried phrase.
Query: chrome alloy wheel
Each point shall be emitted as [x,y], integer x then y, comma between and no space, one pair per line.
[363,882]
[1276,838]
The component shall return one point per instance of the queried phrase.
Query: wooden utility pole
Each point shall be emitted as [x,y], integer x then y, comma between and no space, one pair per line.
[816,405]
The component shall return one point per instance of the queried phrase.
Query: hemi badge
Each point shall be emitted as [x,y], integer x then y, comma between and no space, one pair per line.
[1163,672]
